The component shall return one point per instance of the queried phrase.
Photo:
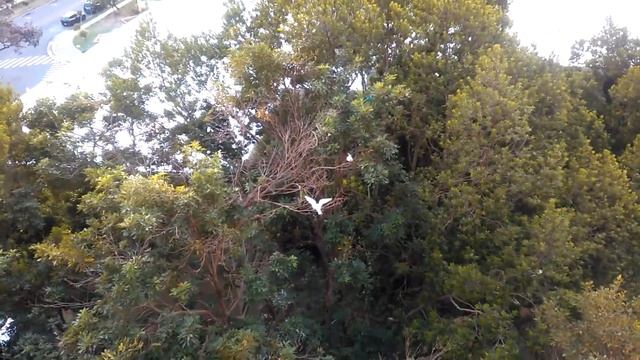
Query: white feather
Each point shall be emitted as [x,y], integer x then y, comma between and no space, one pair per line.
[349,157]
[323,201]
[317,205]
[310,200]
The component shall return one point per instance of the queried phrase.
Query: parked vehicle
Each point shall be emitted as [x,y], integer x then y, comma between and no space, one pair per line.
[93,6]
[72,17]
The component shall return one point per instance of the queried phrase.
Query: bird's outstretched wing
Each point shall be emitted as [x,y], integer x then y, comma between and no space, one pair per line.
[310,200]
[324,201]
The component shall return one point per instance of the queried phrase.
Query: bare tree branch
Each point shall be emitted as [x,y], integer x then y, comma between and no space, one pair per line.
[291,163]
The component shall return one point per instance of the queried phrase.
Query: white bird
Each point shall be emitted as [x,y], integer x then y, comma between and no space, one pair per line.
[349,157]
[317,206]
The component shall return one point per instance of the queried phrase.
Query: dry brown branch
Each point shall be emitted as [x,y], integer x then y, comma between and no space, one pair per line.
[471,309]
[291,165]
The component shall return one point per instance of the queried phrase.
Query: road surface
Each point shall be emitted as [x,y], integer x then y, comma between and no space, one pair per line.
[31,65]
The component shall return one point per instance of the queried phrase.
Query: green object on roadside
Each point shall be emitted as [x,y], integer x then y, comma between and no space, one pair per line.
[88,37]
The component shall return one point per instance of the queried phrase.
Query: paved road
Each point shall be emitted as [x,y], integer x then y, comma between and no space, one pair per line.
[31,65]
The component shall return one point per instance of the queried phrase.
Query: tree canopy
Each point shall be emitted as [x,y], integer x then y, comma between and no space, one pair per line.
[484,200]
[17,36]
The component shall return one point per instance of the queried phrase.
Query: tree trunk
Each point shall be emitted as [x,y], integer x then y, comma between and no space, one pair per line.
[325,263]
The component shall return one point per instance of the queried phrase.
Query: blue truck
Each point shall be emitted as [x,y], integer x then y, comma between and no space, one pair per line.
[94,6]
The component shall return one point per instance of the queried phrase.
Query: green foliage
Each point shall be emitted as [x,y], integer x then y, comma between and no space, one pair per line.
[486,186]
[10,109]
[16,35]
[631,161]
[625,97]
[594,323]
[181,76]
[609,55]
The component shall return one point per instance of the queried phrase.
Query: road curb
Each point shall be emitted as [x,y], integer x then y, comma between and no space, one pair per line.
[59,47]
[18,13]
[50,52]
[105,14]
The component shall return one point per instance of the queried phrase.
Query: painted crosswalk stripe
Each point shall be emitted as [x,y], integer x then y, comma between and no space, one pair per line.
[4,62]
[37,61]
[42,60]
[14,64]
[11,62]
[21,63]
[25,61]
[17,62]
[53,72]
[29,61]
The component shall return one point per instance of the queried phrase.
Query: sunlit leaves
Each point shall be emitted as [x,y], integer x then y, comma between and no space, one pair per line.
[597,323]
[60,249]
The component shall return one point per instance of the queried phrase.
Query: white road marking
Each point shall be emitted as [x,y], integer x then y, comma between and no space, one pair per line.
[52,73]
[44,60]
[31,61]
[8,62]
[18,63]
[25,61]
